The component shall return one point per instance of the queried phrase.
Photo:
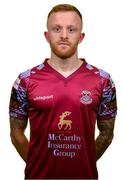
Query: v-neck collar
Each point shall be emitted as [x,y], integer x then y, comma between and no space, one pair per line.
[59,75]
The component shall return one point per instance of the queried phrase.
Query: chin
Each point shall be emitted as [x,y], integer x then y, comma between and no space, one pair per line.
[64,54]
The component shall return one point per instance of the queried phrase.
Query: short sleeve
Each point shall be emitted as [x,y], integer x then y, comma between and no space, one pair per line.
[108,103]
[18,107]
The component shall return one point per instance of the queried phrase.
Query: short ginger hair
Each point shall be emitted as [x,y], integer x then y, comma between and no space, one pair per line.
[64,8]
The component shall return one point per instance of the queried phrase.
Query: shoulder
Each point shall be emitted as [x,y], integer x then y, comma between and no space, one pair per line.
[24,77]
[97,71]
[103,76]
[30,72]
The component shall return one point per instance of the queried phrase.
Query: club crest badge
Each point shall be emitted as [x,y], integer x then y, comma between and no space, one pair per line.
[86,97]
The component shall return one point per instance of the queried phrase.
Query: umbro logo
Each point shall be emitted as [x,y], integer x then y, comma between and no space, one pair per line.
[37,98]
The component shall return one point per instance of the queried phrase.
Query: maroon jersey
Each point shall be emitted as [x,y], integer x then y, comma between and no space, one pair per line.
[62,113]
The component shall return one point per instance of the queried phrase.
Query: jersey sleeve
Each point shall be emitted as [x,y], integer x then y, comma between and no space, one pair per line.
[108,103]
[18,107]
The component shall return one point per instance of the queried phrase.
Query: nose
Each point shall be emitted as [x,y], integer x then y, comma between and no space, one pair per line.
[64,34]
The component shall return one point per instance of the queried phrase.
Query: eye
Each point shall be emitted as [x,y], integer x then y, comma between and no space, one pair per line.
[56,29]
[71,29]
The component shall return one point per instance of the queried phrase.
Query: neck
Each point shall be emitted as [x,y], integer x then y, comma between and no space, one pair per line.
[65,65]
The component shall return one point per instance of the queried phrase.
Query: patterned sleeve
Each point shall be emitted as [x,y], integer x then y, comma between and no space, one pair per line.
[108,104]
[18,107]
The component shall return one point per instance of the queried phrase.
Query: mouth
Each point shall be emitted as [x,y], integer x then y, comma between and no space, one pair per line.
[64,44]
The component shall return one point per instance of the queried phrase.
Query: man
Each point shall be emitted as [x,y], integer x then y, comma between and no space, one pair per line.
[62,98]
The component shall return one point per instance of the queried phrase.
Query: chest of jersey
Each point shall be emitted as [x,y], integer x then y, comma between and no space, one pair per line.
[77,92]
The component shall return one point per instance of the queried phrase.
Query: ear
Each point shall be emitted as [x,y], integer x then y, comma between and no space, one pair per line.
[81,37]
[46,36]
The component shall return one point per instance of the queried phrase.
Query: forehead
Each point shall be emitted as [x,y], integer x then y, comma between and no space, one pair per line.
[64,18]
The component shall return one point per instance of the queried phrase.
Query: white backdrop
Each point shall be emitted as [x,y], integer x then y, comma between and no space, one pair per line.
[22,46]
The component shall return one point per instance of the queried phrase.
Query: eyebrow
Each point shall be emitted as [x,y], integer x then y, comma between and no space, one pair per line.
[58,25]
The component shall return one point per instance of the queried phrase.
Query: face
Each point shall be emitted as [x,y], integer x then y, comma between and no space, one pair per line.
[64,33]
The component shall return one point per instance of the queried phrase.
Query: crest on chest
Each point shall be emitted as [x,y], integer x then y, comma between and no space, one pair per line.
[86,97]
